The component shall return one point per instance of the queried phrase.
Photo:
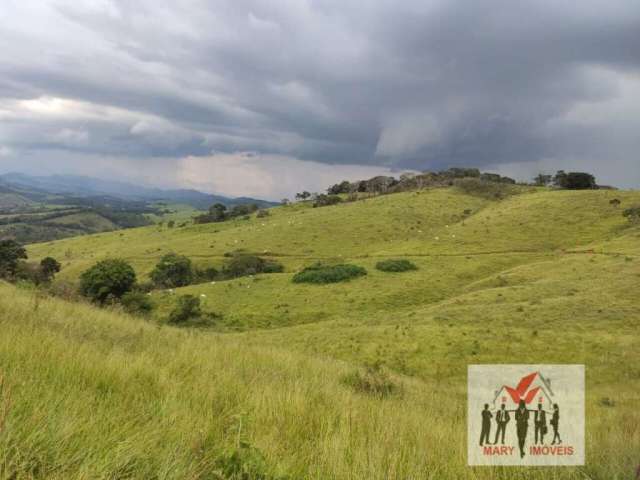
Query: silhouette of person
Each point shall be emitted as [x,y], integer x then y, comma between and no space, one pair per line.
[486,425]
[540,422]
[502,418]
[522,425]
[555,420]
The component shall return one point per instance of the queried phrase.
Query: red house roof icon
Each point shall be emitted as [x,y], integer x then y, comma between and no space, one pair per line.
[523,390]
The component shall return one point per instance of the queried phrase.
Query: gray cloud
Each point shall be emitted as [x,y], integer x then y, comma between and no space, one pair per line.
[513,86]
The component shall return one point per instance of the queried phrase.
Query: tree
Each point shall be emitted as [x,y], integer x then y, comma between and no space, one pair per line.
[107,279]
[457,172]
[49,266]
[172,271]
[11,252]
[342,187]
[574,180]
[560,179]
[303,195]
[542,180]
[243,209]
[217,211]
[580,181]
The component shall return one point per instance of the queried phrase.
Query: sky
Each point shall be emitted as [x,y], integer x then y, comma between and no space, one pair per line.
[247,97]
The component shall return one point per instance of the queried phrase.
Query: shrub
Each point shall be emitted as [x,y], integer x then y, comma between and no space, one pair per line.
[243,264]
[37,273]
[110,278]
[65,290]
[326,200]
[28,272]
[398,265]
[49,266]
[632,214]
[144,287]
[262,213]
[607,402]
[271,266]
[374,381]
[136,303]
[187,307]
[319,273]
[172,271]
[205,274]
[242,209]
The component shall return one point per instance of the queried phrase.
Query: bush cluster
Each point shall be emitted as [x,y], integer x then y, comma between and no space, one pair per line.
[113,281]
[395,265]
[323,200]
[243,264]
[174,271]
[320,273]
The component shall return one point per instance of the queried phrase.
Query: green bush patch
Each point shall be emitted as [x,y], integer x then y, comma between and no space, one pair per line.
[243,264]
[395,265]
[187,307]
[319,273]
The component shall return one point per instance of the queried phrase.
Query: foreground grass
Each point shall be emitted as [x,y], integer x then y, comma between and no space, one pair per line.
[94,394]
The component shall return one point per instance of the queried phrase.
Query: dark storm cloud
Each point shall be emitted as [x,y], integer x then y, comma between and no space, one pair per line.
[415,84]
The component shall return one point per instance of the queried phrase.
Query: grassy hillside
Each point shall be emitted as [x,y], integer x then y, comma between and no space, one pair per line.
[542,277]
[455,240]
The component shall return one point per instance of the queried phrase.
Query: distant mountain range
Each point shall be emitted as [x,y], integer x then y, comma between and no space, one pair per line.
[88,187]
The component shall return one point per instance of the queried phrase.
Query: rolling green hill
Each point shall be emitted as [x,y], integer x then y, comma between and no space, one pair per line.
[540,277]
